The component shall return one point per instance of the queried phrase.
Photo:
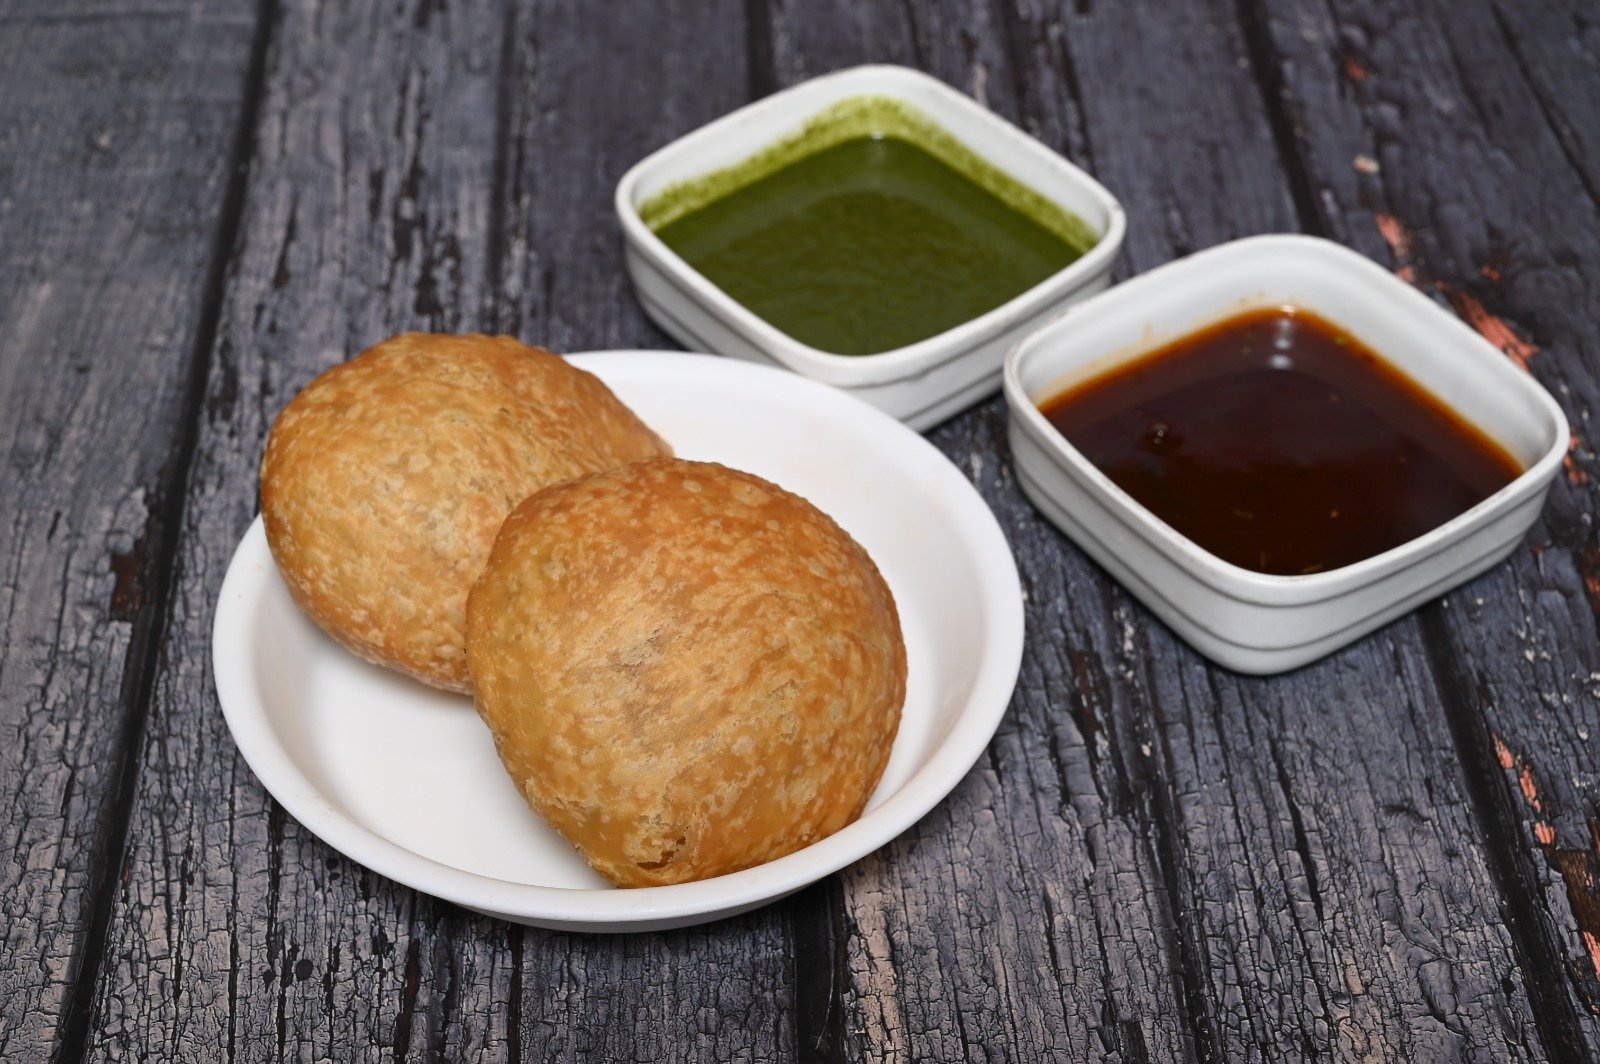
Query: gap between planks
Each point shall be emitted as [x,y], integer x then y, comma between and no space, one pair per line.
[1494,808]
[160,547]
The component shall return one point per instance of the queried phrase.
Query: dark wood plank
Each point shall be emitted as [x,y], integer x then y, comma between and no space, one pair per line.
[1555,48]
[374,204]
[1271,813]
[103,285]
[237,933]
[1307,888]
[593,89]
[1456,143]
[1025,918]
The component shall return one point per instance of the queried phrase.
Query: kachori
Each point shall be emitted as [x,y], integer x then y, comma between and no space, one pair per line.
[686,669]
[386,479]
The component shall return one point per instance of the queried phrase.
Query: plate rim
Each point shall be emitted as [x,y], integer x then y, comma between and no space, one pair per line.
[609,908]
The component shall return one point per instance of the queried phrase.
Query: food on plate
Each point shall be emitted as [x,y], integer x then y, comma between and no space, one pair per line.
[386,479]
[686,669]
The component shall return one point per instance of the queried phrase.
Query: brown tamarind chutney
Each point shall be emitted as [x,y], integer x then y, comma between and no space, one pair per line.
[1279,442]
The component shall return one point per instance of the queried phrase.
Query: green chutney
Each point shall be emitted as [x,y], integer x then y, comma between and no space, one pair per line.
[870,229]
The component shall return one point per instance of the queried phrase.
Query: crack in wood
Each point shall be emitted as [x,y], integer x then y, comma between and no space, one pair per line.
[496,315]
[1578,867]
[820,973]
[1266,66]
[157,549]
[1483,754]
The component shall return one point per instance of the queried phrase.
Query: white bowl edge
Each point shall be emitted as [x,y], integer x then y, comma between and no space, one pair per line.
[915,359]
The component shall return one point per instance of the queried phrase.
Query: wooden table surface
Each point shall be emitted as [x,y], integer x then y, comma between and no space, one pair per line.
[1392,854]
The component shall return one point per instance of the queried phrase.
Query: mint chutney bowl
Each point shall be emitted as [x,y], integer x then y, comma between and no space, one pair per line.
[939,359]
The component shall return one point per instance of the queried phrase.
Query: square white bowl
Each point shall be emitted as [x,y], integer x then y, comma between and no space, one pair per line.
[1250,621]
[922,383]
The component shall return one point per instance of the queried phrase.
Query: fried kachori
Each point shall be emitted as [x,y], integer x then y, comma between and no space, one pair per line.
[686,669]
[386,479]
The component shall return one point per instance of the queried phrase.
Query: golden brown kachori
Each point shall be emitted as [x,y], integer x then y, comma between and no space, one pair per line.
[386,479]
[687,670]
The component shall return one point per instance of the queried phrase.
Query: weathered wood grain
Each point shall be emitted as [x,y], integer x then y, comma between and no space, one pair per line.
[592,90]
[1025,918]
[1475,124]
[1264,810]
[1307,893]
[372,206]
[236,934]
[1359,741]
[103,277]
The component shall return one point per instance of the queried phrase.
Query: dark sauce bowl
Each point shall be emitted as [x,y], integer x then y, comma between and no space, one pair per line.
[1260,622]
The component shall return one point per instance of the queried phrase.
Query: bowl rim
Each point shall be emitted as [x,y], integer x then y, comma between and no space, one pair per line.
[1224,577]
[608,909]
[913,359]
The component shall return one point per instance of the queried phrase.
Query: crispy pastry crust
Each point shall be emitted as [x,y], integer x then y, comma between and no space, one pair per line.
[687,670]
[385,481]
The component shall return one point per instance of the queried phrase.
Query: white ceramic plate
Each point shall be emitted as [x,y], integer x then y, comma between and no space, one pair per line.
[404,779]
